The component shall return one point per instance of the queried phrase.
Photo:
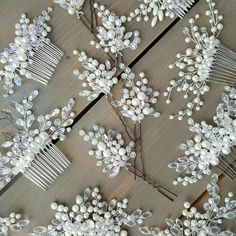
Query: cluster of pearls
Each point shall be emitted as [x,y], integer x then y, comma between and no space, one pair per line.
[28,142]
[99,77]
[16,58]
[90,215]
[195,64]
[197,223]
[138,99]
[12,223]
[210,143]
[111,152]
[157,9]
[112,35]
[72,6]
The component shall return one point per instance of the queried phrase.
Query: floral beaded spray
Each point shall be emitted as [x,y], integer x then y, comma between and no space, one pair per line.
[92,216]
[12,223]
[208,61]
[156,10]
[32,55]
[31,151]
[212,146]
[196,223]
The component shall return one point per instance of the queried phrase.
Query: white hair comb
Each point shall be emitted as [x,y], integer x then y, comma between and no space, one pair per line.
[212,146]
[31,151]
[158,9]
[209,61]
[32,55]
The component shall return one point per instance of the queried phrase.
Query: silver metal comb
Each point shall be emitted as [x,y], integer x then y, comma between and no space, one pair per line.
[32,55]
[32,151]
[223,69]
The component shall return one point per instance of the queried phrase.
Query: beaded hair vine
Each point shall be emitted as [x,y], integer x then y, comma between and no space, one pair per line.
[32,55]
[212,145]
[90,215]
[208,61]
[111,34]
[31,151]
[112,154]
[12,223]
[158,9]
[196,223]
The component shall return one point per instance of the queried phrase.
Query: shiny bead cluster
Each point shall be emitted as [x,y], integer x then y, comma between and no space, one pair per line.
[12,223]
[111,152]
[16,58]
[27,142]
[197,223]
[90,215]
[112,35]
[195,64]
[158,9]
[138,99]
[72,6]
[210,143]
[99,77]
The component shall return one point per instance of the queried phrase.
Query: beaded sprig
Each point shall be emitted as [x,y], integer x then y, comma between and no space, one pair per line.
[111,35]
[212,145]
[111,152]
[13,222]
[26,149]
[90,215]
[138,98]
[156,10]
[31,55]
[98,77]
[196,223]
[196,64]
[72,6]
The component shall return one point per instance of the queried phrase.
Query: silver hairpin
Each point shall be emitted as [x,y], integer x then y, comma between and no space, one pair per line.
[201,223]
[158,9]
[31,151]
[211,146]
[12,223]
[32,55]
[208,61]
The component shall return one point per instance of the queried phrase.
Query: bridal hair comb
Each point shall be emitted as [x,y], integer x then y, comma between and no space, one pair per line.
[112,154]
[112,35]
[158,9]
[32,55]
[196,223]
[211,146]
[12,223]
[90,215]
[208,61]
[31,150]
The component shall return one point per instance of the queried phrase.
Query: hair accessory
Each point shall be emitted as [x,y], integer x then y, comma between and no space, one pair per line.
[112,154]
[90,215]
[208,61]
[32,55]
[158,9]
[196,223]
[31,150]
[211,146]
[112,35]
[138,98]
[72,6]
[12,223]
[100,78]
